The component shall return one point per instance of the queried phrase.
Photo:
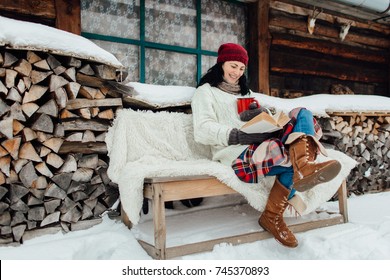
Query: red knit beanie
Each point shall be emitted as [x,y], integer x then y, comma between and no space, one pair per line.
[232,52]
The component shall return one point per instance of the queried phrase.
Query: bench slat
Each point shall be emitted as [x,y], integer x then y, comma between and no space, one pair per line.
[176,190]
[153,180]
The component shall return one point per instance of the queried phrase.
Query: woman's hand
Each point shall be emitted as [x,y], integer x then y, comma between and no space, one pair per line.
[247,115]
[237,136]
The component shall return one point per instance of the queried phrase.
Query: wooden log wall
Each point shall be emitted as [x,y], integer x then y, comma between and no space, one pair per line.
[364,137]
[54,114]
[301,63]
[62,14]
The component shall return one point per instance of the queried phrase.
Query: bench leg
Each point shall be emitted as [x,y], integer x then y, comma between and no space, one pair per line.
[125,219]
[342,194]
[159,222]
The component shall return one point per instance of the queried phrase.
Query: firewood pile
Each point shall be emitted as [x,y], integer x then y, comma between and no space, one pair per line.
[364,137]
[54,114]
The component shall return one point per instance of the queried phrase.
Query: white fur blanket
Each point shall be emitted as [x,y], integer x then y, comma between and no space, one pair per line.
[145,144]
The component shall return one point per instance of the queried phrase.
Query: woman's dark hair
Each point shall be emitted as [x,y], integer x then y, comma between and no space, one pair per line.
[214,77]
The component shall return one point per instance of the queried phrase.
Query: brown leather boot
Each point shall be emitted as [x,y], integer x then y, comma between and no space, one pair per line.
[272,217]
[307,173]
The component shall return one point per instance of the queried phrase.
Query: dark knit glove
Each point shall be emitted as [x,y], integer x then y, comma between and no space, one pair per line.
[247,115]
[239,137]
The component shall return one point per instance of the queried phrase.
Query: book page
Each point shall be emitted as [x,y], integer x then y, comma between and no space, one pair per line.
[282,118]
[266,123]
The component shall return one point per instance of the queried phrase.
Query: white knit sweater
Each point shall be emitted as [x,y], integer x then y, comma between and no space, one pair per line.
[214,116]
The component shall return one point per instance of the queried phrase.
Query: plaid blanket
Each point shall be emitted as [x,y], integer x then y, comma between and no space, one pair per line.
[273,153]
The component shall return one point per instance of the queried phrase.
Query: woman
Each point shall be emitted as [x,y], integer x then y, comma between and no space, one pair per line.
[288,155]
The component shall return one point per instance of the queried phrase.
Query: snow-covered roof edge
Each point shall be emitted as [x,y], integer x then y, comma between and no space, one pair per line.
[25,35]
[160,96]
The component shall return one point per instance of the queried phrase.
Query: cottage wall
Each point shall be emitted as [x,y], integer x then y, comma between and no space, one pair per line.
[297,58]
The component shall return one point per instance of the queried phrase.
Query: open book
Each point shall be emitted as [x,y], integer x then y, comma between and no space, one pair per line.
[266,123]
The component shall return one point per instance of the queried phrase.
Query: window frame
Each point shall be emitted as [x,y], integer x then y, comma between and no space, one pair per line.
[144,44]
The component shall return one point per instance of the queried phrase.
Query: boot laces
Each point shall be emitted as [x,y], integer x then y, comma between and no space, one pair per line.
[307,148]
[291,209]
[279,216]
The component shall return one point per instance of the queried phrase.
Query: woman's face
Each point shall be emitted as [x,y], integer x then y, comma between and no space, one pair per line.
[232,71]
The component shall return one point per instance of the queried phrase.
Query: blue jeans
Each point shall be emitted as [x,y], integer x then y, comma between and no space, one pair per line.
[304,123]
[285,177]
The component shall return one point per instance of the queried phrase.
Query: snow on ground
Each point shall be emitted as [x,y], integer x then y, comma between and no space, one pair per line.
[358,249]
[365,237]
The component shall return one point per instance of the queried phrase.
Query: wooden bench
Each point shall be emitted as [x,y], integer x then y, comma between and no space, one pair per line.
[160,190]
[133,142]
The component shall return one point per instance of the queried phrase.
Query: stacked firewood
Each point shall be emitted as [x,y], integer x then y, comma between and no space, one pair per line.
[366,139]
[54,114]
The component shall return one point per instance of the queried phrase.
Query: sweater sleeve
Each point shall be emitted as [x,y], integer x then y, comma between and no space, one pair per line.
[207,129]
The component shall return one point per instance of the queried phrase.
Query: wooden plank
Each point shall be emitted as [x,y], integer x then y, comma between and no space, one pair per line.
[190,189]
[114,88]
[253,47]
[86,103]
[151,180]
[362,113]
[160,234]
[291,22]
[90,81]
[193,189]
[30,234]
[289,61]
[83,147]
[85,224]
[264,47]
[137,103]
[331,17]
[150,249]
[68,15]
[342,196]
[125,219]
[329,48]
[82,125]
[41,8]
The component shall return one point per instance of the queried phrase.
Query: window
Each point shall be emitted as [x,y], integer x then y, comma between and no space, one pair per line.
[165,42]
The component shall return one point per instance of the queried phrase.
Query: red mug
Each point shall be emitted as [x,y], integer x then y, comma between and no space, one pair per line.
[244,102]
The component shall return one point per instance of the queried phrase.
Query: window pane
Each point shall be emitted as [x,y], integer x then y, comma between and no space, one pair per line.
[207,63]
[128,55]
[119,18]
[170,68]
[222,22]
[171,22]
